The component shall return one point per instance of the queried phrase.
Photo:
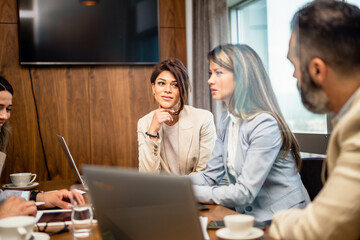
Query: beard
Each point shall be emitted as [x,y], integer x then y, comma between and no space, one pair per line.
[312,96]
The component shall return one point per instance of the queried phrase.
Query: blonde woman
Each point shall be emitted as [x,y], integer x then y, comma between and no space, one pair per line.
[254,148]
[175,138]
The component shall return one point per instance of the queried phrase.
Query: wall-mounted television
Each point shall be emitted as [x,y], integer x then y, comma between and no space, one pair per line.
[88,32]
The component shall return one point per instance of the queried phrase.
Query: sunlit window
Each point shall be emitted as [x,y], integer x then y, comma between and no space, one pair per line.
[265,26]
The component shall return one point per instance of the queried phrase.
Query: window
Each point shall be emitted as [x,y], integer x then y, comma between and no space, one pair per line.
[355,2]
[265,26]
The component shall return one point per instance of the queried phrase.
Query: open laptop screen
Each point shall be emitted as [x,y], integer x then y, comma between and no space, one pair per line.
[138,206]
[69,157]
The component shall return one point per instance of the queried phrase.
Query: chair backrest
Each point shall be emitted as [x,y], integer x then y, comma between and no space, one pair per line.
[311,175]
[313,143]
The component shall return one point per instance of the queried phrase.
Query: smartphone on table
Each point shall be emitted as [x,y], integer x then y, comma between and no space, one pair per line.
[220,224]
[215,225]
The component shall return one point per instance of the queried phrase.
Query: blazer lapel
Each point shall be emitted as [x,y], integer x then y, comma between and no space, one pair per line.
[332,151]
[226,140]
[164,163]
[185,140]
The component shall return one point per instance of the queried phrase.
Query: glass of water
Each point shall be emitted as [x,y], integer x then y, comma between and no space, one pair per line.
[82,212]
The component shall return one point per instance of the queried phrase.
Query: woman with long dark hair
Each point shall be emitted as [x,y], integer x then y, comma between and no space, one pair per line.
[14,203]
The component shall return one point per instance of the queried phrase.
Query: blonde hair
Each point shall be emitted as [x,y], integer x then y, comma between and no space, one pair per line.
[253,93]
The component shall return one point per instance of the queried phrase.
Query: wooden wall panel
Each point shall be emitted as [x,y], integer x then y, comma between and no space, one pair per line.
[25,151]
[167,36]
[167,15]
[119,97]
[180,43]
[173,43]
[62,97]
[142,102]
[179,8]
[172,13]
[172,29]
[8,12]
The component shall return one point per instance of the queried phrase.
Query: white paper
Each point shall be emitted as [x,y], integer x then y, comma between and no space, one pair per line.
[203,223]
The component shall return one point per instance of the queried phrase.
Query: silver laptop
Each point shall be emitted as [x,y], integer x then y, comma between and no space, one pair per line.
[69,157]
[138,206]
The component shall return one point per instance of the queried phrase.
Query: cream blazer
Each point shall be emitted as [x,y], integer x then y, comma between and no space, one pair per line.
[335,212]
[197,137]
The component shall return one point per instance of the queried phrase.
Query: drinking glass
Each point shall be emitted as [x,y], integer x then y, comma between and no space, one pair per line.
[82,212]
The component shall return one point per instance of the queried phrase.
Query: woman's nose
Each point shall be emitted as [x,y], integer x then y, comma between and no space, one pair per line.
[4,115]
[168,88]
[211,80]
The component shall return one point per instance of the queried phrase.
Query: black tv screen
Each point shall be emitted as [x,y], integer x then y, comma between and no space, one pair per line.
[88,31]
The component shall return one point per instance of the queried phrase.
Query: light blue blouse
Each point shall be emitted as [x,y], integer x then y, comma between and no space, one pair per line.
[6,194]
[265,182]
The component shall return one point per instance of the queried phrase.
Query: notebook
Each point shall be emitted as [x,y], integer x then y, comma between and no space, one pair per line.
[138,206]
[69,157]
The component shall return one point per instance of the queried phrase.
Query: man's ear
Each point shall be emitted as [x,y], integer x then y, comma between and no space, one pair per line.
[318,71]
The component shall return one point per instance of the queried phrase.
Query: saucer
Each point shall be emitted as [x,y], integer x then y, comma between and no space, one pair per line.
[12,186]
[224,233]
[40,236]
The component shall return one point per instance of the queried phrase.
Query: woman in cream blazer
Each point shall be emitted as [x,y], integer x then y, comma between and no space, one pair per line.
[175,138]
[196,140]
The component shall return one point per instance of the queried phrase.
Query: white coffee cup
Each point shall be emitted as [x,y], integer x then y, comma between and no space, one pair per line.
[17,228]
[22,179]
[239,224]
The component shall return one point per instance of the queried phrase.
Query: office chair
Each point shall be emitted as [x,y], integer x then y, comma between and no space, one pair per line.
[311,175]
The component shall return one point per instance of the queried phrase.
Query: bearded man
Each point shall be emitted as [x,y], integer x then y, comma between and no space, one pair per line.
[325,51]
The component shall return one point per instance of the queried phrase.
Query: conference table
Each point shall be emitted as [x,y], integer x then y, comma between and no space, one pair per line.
[215,212]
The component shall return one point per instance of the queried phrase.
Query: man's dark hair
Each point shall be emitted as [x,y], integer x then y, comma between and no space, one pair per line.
[330,30]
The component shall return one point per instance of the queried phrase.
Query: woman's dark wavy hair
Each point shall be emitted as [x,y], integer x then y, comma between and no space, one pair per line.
[6,129]
[176,68]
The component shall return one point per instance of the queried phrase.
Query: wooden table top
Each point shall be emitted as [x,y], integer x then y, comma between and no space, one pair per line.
[216,212]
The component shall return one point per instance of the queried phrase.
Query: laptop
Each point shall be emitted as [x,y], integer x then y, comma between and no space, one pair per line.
[142,206]
[69,157]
